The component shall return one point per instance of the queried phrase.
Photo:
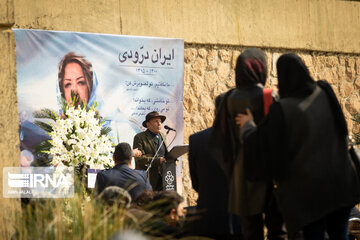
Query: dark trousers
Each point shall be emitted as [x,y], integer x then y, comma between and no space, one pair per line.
[335,224]
[253,226]
[235,223]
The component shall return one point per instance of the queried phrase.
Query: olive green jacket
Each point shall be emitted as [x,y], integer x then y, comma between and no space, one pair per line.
[145,143]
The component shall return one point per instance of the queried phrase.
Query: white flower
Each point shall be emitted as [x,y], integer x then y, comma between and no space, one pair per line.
[78,137]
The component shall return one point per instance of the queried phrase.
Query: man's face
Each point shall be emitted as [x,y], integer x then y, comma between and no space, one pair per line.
[176,216]
[154,125]
[74,80]
[180,211]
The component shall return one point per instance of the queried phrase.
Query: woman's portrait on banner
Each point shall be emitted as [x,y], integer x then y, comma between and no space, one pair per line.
[66,63]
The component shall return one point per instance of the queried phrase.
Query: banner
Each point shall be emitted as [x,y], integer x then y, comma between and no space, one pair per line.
[127,76]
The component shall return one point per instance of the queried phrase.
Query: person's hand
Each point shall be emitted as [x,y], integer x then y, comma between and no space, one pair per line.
[241,118]
[162,159]
[137,152]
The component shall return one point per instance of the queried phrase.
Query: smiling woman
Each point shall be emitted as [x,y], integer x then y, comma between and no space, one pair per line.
[74,81]
[75,74]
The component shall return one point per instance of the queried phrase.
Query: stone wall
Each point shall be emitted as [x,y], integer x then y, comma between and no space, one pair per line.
[209,71]
[325,25]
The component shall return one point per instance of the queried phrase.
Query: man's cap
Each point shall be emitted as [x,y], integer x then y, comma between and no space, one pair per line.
[152,115]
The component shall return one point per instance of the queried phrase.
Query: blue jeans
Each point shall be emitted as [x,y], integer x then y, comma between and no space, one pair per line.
[335,224]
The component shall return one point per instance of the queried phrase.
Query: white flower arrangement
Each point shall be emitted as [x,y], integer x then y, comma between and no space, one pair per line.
[77,136]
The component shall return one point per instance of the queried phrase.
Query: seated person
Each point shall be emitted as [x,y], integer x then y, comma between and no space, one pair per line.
[144,199]
[121,175]
[168,215]
[115,195]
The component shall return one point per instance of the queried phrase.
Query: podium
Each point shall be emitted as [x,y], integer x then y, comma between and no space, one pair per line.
[169,167]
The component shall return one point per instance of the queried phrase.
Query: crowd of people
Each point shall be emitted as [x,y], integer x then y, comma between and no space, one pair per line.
[130,188]
[272,160]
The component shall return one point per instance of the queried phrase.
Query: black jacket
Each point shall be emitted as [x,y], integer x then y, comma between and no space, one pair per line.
[145,143]
[134,181]
[209,180]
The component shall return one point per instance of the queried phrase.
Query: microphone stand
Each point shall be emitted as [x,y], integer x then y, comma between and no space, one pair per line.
[162,142]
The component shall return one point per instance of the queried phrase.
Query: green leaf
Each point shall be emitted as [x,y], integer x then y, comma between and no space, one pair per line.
[45,113]
[356,137]
[43,147]
[45,126]
[84,104]
[64,104]
[105,130]
[75,99]
[356,118]
[42,161]
[102,121]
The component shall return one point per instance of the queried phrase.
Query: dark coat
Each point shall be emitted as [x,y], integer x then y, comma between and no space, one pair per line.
[306,151]
[320,169]
[246,197]
[144,142]
[209,180]
[134,181]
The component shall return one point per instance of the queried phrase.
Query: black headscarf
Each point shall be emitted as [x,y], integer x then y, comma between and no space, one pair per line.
[295,81]
[293,77]
[251,68]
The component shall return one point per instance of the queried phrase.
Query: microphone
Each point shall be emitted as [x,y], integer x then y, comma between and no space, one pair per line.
[169,128]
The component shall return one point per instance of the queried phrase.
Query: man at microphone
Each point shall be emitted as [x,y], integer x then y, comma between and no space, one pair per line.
[151,142]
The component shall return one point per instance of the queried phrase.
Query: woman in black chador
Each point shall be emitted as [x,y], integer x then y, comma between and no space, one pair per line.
[248,199]
[303,142]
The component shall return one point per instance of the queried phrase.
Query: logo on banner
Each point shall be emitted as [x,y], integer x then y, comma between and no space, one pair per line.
[38,182]
[169,178]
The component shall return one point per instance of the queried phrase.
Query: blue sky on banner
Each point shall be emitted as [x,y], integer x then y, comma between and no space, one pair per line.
[135,75]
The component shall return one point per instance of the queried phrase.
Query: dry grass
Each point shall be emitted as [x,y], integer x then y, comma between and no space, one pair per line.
[73,218]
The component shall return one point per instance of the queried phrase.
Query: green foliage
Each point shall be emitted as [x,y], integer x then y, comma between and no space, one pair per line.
[45,113]
[45,126]
[356,137]
[105,130]
[43,147]
[64,104]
